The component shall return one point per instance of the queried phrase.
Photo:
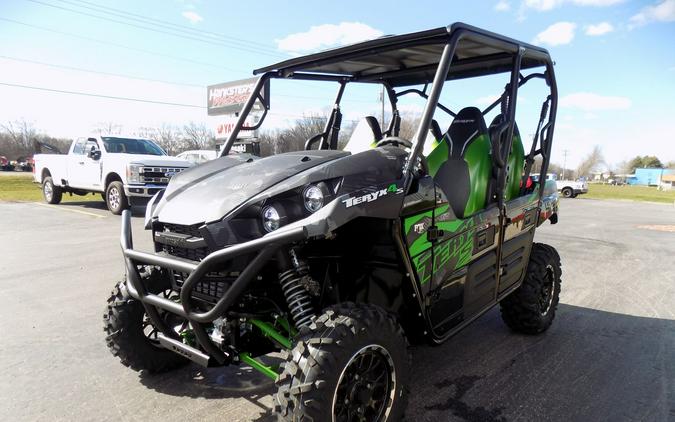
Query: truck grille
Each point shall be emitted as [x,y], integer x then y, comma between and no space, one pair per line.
[158,175]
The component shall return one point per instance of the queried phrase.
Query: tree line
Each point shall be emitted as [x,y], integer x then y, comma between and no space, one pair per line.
[20,139]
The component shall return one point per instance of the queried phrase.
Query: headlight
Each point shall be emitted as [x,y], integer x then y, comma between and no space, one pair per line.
[271,218]
[313,198]
[134,173]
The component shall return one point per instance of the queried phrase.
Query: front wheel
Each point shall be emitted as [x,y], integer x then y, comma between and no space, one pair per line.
[51,193]
[132,338]
[351,365]
[115,198]
[530,309]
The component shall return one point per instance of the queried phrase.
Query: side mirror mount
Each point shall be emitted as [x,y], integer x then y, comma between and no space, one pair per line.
[94,154]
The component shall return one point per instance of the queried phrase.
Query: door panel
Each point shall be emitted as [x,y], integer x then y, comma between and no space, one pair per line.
[464,266]
[518,235]
[76,160]
[515,254]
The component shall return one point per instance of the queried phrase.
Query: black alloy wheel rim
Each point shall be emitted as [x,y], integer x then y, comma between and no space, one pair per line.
[547,291]
[366,387]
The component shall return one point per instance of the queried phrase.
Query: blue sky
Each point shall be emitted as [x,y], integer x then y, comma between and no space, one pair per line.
[615,61]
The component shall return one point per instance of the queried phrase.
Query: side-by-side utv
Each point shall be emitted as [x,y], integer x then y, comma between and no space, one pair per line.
[341,256]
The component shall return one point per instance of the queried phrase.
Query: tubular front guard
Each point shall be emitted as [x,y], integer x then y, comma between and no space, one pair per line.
[265,248]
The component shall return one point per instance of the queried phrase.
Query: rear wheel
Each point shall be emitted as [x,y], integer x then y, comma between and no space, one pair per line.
[567,193]
[51,193]
[530,309]
[352,365]
[115,198]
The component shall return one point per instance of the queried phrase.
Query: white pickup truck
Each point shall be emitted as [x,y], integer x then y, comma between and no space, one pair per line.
[567,188]
[124,170]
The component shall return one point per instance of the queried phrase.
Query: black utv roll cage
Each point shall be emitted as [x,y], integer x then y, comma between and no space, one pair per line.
[395,61]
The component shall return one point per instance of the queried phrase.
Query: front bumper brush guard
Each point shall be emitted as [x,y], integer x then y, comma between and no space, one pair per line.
[266,247]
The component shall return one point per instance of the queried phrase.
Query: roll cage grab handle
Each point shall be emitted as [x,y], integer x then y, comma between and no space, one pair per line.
[517,80]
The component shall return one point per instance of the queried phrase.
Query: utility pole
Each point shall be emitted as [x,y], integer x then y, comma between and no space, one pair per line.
[564,162]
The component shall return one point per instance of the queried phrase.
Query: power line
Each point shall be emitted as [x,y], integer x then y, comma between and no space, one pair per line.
[79,69]
[129,15]
[140,50]
[187,37]
[111,97]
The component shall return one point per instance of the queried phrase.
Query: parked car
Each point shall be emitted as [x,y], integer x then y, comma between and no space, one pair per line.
[24,164]
[5,164]
[125,170]
[198,156]
[567,188]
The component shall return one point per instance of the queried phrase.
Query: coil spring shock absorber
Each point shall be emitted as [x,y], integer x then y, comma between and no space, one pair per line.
[297,298]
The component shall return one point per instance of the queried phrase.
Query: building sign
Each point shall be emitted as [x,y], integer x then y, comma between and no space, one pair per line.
[224,126]
[230,97]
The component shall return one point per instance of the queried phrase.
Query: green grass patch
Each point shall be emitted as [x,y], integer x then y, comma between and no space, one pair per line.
[22,188]
[627,192]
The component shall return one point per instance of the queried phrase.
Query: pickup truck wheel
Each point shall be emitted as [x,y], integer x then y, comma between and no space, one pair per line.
[567,193]
[352,364]
[51,193]
[115,198]
[530,309]
[131,338]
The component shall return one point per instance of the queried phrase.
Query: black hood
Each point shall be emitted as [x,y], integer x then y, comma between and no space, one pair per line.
[210,191]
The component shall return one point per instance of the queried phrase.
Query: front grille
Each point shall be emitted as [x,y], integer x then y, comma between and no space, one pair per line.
[193,254]
[211,288]
[158,175]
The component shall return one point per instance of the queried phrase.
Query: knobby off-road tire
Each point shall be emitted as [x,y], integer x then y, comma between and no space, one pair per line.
[354,358]
[51,193]
[123,322]
[115,198]
[531,308]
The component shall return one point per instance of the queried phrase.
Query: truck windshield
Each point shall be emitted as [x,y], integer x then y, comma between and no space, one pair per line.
[131,146]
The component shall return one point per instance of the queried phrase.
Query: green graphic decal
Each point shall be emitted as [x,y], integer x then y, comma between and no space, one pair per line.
[450,254]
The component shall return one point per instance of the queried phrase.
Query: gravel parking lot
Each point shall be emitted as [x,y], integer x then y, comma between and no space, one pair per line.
[610,354]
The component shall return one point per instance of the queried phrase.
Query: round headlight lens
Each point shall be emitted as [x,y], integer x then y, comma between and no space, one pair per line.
[313,198]
[270,218]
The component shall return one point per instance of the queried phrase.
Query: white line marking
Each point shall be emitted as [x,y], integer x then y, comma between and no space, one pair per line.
[71,210]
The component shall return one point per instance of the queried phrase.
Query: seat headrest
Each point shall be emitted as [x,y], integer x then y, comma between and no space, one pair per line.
[375,127]
[435,129]
[467,126]
[498,119]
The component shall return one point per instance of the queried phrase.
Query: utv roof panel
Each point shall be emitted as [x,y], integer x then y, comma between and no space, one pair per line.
[411,59]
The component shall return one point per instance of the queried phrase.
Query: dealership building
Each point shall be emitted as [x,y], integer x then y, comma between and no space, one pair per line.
[648,176]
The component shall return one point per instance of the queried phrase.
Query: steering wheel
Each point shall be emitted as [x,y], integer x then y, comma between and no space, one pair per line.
[395,141]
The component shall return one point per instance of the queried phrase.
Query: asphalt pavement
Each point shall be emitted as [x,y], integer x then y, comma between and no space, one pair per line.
[610,354]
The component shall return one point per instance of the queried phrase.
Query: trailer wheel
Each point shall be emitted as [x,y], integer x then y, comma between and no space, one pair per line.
[51,193]
[115,198]
[352,364]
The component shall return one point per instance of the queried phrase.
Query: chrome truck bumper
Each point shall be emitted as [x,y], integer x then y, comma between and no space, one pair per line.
[264,248]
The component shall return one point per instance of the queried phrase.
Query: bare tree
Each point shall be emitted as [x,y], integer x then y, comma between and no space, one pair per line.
[591,162]
[108,128]
[197,136]
[409,124]
[168,137]
[21,133]
[293,138]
